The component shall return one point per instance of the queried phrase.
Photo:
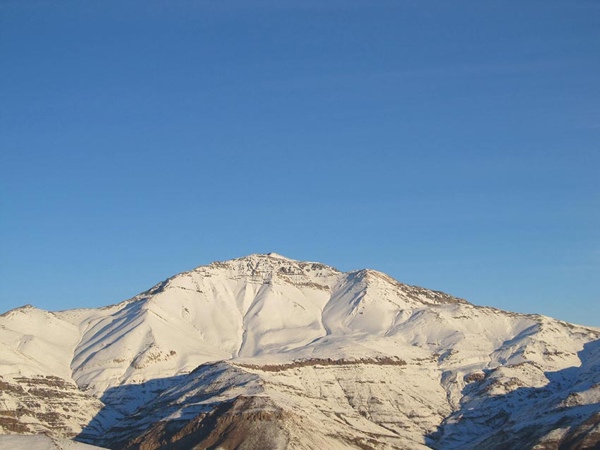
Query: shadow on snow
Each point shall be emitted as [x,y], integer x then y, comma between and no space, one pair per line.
[493,422]
[131,409]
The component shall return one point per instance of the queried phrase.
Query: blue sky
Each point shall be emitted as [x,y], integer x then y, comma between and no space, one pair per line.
[452,145]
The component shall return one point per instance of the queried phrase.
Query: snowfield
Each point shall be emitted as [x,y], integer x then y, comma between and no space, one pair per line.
[268,352]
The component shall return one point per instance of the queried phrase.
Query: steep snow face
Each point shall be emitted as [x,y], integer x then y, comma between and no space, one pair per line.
[245,307]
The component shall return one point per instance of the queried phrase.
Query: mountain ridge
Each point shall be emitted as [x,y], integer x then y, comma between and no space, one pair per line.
[358,350]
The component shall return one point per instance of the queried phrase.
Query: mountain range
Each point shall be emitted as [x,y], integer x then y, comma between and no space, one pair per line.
[266,352]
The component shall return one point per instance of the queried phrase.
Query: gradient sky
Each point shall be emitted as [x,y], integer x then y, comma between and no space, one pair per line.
[452,145]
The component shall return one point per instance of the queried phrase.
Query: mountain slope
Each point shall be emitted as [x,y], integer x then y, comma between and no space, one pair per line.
[41,442]
[366,360]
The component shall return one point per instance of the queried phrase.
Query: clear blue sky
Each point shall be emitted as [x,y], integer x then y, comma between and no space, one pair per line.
[452,145]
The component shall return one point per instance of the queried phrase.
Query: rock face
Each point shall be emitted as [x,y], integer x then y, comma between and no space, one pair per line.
[46,404]
[267,352]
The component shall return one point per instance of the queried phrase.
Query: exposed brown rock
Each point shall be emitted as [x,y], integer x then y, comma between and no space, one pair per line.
[380,361]
[244,423]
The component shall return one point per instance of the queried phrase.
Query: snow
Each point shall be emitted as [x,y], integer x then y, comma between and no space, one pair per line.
[41,442]
[268,310]
[36,341]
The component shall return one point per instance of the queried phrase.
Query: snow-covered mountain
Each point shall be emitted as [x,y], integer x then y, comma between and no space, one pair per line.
[268,352]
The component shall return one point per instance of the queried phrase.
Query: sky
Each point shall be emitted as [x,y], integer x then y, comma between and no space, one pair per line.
[451,145]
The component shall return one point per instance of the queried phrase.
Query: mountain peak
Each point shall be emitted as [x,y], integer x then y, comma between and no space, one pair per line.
[20,309]
[278,256]
[265,263]
[272,256]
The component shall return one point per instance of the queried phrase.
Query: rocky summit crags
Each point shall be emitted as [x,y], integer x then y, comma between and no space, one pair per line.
[268,352]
